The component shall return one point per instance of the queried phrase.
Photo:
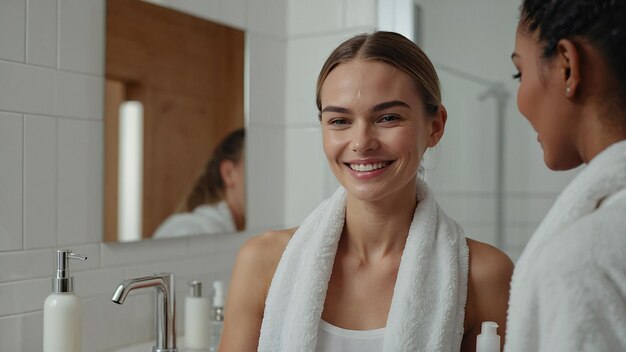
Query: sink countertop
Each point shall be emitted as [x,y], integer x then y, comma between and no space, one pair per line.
[147,347]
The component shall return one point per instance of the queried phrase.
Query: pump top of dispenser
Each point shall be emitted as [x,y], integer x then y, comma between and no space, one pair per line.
[196,288]
[488,339]
[218,298]
[62,281]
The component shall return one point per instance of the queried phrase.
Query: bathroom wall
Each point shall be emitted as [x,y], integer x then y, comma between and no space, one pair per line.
[51,150]
[314,29]
[470,44]
[51,165]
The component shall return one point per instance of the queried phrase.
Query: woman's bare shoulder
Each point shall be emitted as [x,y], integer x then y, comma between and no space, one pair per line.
[488,263]
[490,271]
[264,251]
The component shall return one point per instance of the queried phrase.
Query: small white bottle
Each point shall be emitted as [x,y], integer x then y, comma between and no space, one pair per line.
[488,339]
[61,309]
[197,318]
[218,315]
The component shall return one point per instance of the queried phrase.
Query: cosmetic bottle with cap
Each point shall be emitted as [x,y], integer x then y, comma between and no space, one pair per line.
[197,318]
[217,322]
[488,339]
[61,309]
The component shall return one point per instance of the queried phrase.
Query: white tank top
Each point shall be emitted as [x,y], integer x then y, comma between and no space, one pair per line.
[331,338]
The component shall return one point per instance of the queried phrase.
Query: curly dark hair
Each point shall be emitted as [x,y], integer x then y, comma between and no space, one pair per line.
[602,23]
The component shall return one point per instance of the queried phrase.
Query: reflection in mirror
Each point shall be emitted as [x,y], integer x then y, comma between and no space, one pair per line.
[173,93]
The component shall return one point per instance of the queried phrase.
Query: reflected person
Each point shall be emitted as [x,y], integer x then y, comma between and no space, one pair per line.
[569,288]
[216,203]
[378,266]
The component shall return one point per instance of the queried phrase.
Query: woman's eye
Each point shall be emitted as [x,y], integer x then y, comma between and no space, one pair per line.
[388,118]
[338,121]
[517,76]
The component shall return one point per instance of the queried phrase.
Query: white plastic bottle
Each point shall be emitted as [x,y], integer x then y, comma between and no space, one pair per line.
[218,315]
[488,339]
[197,318]
[61,309]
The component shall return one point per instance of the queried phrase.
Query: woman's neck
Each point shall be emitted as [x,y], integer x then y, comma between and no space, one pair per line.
[374,229]
[598,132]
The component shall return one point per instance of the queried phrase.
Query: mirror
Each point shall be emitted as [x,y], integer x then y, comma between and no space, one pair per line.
[174,91]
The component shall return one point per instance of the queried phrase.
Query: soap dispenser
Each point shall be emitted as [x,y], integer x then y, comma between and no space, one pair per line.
[61,309]
[197,318]
[488,339]
[217,315]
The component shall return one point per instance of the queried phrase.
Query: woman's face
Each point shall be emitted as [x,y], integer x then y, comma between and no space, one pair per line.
[375,128]
[541,98]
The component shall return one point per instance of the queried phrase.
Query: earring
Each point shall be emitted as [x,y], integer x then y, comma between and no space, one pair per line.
[567,91]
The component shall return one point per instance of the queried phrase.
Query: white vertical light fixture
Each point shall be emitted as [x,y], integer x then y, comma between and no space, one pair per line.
[130,172]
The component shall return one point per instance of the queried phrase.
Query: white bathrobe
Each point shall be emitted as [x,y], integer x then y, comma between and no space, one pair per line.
[568,291]
[205,219]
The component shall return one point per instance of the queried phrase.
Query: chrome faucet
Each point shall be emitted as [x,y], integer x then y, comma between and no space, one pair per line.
[165,306]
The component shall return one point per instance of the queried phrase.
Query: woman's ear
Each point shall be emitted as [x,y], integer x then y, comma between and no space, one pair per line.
[568,64]
[438,125]
[227,171]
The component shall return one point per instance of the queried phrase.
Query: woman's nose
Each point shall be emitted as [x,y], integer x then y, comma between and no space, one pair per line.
[364,139]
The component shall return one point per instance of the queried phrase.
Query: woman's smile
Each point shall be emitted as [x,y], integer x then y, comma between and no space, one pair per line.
[368,169]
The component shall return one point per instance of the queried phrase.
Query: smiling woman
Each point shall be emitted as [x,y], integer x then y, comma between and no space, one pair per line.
[188,73]
[378,266]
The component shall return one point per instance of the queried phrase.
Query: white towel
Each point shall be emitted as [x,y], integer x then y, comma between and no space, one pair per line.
[568,291]
[428,303]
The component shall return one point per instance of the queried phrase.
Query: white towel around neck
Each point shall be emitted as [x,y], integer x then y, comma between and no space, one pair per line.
[428,304]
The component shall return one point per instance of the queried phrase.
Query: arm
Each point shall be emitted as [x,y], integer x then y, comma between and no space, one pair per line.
[489,279]
[254,268]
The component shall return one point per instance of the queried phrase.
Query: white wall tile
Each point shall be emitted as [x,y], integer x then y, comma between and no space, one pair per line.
[12,29]
[203,244]
[23,296]
[80,95]
[26,265]
[265,176]
[81,36]
[517,236]
[32,331]
[40,160]
[41,41]
[305,17]
[482,233]
[10,181]
[27,89]
[468,208]
[360,13]
[10,333]
[528,209]
[119,254]
[524,166]
[233,12]
[95,282]
[476,30]
[305,57]
[306,167]
[268,16]
[465,159]
[207,9]
[79,196]
[268,57]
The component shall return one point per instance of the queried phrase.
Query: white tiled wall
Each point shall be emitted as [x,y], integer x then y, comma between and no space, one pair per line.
[51,149]
[478,40]
[314,30]
[51,167]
